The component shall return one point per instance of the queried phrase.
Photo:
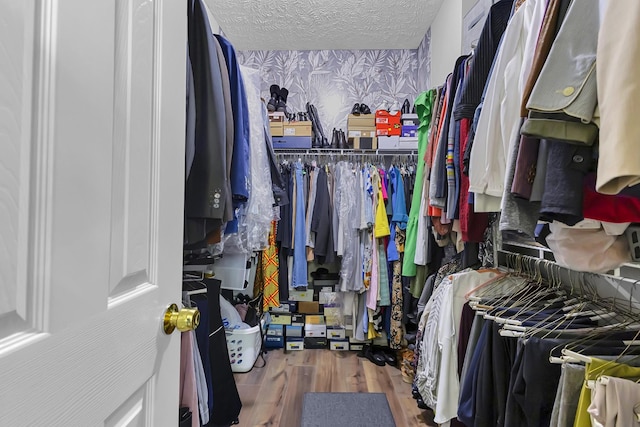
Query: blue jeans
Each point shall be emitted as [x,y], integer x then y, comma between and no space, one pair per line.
[299,279]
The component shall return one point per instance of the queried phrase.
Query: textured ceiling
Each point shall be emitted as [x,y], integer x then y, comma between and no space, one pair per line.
[324,24]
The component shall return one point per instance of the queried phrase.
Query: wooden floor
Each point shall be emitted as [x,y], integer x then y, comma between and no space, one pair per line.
[272,396]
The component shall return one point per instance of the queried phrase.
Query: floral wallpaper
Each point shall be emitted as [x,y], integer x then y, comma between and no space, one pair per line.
[334,80]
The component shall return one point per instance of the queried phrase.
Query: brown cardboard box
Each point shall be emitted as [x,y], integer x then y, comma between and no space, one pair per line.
[363,143]
[363,120]
[297,129]
[277,128]
[308,307]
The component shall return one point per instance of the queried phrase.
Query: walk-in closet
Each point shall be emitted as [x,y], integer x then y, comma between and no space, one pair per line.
[222,213]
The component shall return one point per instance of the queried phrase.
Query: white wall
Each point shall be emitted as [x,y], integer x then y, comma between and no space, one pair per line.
[215,27]
[446,40]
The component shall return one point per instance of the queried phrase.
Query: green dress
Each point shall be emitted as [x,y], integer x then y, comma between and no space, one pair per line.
[424,104]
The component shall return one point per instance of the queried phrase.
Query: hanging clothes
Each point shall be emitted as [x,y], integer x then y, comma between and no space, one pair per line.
[206,138]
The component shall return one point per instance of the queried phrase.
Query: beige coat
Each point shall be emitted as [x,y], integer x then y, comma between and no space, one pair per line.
[618,75]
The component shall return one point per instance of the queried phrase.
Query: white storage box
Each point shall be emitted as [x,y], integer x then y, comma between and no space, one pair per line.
[388,142]
[244,347]
[408,143]
[234,270]
[315,331]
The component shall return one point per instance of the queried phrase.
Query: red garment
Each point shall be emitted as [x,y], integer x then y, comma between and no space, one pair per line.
[472,224]
[608,208]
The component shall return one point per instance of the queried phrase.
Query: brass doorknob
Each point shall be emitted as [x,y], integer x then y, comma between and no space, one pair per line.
[185,319]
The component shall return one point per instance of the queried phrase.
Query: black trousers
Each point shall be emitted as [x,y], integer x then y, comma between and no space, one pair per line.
[226,400]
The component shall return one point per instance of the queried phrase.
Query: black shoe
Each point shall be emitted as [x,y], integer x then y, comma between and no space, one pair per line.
[356,109]
[421,404]
[363,352]
[415,393]
[282,100]
[406,107]
[374,357]
[364,109]
[316,141]
[390,356]
[273,102]
[342,143]
[334,139]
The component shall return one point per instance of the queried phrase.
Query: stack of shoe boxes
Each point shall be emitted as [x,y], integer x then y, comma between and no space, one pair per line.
[295,333]
[313,318]
[388,129]
[315,331]
[289,134]
[362,132]
[409,138]
[276,124]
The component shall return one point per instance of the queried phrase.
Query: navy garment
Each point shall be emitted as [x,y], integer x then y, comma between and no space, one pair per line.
[533,384]
[466,405]
[486,50]
[567,165]
[240,159]
[493,379]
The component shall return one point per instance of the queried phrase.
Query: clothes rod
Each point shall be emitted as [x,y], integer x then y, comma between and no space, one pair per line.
[346,152]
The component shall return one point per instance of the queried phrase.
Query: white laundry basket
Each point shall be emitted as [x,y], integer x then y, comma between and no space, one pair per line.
[244,347]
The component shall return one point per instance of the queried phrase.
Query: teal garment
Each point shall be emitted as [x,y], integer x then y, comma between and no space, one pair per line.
[383,276]
[424,104]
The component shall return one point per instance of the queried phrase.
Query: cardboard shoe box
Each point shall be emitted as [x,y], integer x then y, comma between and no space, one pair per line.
[315,342]
[273,341]
[289,142]
[363,120]
[277,129]
[336,333]
[280,319]
[297,129]
[301,295]
[362,132]
[276,117]
[285,307]
[297,320]
[409,131]
[275,330]
[315,330]
[293,331]
[308,307]
[294,344]
[388,124]
[339,345]
[314,319]
[410,120]
[363,143]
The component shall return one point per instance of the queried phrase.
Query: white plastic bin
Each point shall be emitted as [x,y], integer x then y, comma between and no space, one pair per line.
[244,347]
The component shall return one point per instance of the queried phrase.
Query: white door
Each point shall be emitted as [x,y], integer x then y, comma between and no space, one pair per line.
[92,104]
